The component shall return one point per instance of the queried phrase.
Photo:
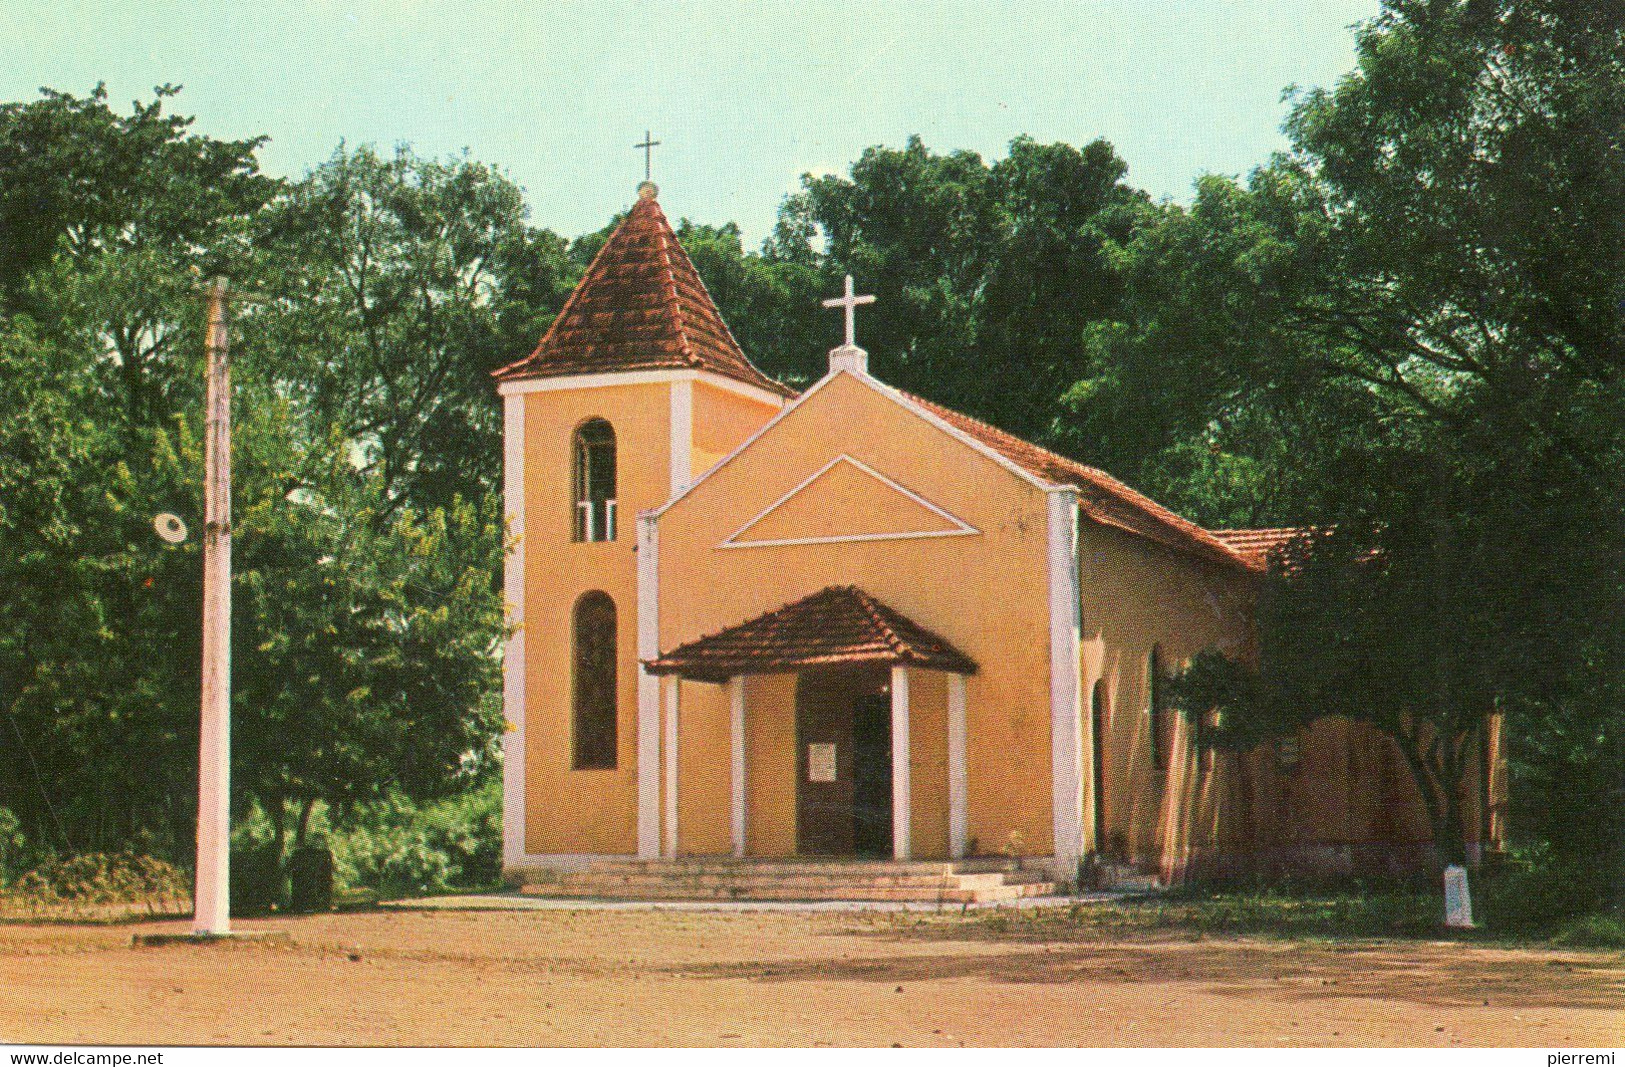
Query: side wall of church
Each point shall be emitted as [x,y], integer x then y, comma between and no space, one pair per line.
[1338,798]
[1138,596]
[985,592]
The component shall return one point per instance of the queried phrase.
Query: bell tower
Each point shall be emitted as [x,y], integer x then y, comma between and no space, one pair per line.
[635,389]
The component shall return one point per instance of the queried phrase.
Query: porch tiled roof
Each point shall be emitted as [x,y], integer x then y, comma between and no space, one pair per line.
[838,625]
[640,306]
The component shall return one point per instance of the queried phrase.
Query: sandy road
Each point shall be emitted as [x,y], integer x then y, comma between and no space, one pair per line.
[641,978]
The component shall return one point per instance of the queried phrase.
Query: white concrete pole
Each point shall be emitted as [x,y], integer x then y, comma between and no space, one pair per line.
[957,778]
[900,812]
[211,898]
[673,690]
[736,708]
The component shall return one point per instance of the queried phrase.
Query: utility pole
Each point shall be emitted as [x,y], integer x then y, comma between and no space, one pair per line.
[211,912]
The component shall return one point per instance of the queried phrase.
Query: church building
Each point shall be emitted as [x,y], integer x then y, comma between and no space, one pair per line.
[760,626]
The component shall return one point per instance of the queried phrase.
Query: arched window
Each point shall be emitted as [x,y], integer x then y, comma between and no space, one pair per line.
[1162,723]
[595,481]
[593,737]
[1097,734]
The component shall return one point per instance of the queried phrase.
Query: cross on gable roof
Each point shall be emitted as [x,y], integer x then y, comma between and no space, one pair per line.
[640,306]
[835,626]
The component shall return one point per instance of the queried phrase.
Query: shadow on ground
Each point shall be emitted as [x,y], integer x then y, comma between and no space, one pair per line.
[1425,974]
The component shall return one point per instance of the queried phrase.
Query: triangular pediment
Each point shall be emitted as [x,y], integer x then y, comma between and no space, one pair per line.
[846,500]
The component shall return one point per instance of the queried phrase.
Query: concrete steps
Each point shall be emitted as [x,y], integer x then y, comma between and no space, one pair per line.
[967,882]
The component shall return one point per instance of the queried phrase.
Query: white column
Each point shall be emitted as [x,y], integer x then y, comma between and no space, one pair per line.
[674,688]
[513,657]
[736,706]
[1066,725]
[900,813]
[648,690]
[957,780]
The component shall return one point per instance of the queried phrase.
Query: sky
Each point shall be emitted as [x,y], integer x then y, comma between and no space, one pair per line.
[744,97]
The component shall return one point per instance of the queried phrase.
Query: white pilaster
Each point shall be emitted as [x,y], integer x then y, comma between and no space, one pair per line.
[682,435]
[1066,699]
[736,707]
[957,778]
[900,798]
[674,689]
[648,690]
[513,655]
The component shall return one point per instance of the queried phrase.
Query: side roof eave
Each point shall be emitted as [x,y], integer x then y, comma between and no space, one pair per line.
[896,397]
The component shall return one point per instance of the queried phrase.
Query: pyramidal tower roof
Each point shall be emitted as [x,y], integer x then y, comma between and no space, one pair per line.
[640,306]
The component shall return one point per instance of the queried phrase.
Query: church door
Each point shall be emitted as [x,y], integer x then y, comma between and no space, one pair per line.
[843,741]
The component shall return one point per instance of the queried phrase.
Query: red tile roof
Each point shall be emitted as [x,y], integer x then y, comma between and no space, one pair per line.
[640,306]
[1259,544]
[1100,496]
[838,625]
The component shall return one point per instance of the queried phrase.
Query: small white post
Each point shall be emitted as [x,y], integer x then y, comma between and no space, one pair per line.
[1458,903]
[673,689]
[900,814]
[211,901]
[957,778]
[736,707]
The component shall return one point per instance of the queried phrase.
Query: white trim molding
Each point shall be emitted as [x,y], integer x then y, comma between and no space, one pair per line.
[682,435]
[901,758]
[894,395]
[1066,722]
[513,655]
[958,779]
[957,434]
[736,731]
[746,443]
[639,377]
[960,528]
[648,689]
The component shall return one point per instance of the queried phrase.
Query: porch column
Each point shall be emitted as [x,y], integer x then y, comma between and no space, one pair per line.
[957,779]
[673,688]
[736,705]
[900,815]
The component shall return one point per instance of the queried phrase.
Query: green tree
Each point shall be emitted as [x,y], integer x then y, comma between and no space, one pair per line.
[1430,342]
[104,220]
[987,276]
[367,622]
[400,283]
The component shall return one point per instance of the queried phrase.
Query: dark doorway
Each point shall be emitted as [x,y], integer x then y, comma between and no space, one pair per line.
[871,775]
[1097,737]
[843,763]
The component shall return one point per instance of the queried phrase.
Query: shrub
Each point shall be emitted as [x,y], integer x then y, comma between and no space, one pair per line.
[395,848]
[12,846]
[98,881]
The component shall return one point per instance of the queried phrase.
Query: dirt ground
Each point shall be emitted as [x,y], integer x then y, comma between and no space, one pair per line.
[664,978]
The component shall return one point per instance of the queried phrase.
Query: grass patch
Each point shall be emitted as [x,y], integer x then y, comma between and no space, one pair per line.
[1304,912]
[1592,931]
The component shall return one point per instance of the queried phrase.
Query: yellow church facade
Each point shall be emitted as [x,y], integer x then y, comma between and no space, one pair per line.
[759,624]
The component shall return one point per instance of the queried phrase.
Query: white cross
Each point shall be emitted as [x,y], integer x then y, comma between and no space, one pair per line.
[850,303]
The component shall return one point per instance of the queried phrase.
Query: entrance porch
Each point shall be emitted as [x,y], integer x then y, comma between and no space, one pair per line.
[843,701]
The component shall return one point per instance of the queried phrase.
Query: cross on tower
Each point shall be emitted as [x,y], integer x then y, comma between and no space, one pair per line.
[850,303]
[648,145]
